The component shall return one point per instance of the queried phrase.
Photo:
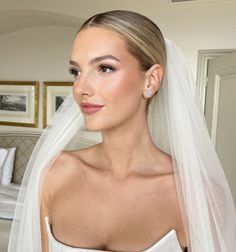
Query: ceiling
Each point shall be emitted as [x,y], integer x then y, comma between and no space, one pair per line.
[14,20]
[181,0]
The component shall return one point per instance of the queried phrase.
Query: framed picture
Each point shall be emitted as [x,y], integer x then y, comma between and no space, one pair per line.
[19,103]
[54,93]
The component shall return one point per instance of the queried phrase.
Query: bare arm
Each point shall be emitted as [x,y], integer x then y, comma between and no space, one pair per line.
[44,211]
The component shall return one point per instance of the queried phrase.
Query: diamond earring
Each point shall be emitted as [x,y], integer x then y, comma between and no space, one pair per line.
[147,93]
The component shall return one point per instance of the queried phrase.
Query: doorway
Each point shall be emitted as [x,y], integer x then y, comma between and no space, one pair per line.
[217,89]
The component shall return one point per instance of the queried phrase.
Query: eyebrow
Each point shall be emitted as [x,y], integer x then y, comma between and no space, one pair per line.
[97,59]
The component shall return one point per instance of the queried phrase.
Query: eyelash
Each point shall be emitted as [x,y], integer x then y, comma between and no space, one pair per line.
[74,72]
[105,67]
[101,68]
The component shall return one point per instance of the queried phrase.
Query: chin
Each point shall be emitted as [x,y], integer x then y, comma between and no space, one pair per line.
[93,126]
[97,125]
[95,129]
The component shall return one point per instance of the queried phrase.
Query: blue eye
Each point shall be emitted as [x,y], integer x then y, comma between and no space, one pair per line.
[74,72]
[105,68]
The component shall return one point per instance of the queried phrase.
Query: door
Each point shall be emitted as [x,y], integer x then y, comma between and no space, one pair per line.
[220,112]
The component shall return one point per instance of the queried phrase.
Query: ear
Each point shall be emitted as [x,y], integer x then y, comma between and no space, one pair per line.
[153,80]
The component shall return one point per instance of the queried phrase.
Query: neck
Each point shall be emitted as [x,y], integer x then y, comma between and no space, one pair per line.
[127,150]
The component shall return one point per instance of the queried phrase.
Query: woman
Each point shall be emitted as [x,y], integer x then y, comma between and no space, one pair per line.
[154,182]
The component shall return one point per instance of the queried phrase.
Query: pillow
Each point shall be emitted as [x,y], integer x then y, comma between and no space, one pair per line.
[3,155]
[7,167]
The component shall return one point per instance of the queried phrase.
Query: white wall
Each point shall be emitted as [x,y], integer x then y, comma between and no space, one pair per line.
[41,53]
[199,24]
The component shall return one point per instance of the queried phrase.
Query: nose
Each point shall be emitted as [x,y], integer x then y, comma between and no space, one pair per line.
[82,87]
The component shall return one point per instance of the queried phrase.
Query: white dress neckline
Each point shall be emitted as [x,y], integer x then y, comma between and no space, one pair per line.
[166,244]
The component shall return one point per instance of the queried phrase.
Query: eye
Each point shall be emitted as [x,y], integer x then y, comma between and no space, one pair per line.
[105,68]
[74,72]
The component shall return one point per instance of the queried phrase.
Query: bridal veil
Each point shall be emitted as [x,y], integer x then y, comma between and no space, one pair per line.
[178,127]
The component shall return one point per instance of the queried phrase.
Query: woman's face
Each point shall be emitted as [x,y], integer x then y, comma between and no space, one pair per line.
[108,81]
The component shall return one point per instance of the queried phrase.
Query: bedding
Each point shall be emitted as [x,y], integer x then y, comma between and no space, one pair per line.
[5,228]
[8,197]
[7,166]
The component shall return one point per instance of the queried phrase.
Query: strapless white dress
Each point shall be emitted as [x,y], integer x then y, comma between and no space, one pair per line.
[168,243]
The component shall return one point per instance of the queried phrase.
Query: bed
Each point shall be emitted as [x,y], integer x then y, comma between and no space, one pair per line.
[8,196]
[5,227]
[24,144]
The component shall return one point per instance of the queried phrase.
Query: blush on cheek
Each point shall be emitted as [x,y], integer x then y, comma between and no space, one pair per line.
[120,87]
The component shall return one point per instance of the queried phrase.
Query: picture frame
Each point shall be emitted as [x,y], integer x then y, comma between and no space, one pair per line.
[19,103]
[54,94]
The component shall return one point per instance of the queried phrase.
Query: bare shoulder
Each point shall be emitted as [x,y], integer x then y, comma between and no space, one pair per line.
[63,163]
[164,162]
[65,166]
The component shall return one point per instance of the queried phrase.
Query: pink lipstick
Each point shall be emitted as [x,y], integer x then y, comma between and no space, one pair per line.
[89,108]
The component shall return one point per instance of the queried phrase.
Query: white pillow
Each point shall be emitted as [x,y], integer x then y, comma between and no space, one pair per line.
[7,167]
[3,155]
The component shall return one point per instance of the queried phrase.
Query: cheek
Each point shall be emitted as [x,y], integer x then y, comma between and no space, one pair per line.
[122,89]
[122,97]
[76,93]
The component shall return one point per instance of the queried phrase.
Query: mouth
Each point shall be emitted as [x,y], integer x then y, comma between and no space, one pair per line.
[89,108]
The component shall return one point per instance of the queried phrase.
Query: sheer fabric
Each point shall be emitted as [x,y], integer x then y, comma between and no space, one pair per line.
[178,127]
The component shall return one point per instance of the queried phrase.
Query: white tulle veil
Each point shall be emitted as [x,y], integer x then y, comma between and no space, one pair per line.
[177,126]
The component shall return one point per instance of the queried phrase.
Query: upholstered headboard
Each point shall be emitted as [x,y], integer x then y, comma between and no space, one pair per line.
[24,143]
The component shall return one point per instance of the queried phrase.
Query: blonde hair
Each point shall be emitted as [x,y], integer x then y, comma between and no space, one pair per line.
[143,38]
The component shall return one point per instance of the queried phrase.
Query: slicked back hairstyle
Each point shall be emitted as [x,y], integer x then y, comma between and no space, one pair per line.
[143,38]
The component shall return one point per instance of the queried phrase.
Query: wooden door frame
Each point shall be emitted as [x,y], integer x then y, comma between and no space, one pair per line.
[202,70]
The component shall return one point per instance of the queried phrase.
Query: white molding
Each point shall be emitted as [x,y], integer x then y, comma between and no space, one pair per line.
[227,74]
[203,57]
[215,108]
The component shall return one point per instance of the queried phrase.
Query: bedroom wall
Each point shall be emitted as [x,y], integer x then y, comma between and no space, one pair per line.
[38,54]
[37,47]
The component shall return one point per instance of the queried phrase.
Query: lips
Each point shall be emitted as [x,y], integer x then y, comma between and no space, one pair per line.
[89,108]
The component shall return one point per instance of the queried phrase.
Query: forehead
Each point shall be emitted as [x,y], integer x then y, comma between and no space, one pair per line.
[94,41]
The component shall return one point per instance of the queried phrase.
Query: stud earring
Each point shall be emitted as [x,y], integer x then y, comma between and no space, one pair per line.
[147,93]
